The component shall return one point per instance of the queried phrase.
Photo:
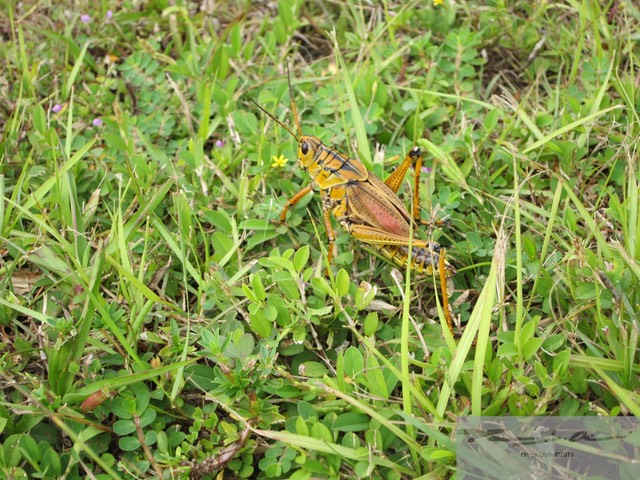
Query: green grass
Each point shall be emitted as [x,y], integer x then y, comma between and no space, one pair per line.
[155,321]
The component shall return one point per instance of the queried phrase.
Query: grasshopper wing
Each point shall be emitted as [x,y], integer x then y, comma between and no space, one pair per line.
[372,203]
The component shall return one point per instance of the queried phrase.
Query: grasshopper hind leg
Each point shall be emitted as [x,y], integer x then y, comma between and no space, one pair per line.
[427,259]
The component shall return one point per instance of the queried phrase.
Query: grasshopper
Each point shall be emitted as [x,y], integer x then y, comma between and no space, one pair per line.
[365,206]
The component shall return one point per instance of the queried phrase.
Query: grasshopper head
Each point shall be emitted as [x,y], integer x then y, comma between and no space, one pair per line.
[307,147]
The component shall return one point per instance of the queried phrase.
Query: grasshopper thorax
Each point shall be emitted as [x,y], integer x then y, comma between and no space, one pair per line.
[308,146]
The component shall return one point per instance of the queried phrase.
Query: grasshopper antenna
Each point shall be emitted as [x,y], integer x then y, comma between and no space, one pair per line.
[293,104]
[272,117]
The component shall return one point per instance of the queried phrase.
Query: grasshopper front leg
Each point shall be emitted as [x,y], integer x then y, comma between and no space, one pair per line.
[293,200]
[326,210]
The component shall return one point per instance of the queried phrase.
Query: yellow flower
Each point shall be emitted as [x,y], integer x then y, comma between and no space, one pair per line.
[279,162]
[437,2]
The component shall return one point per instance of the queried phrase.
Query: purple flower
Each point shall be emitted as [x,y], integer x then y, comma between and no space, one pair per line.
[97,122]
[109,14]
[219,143]
[56,108]
[85,18]
[425,170]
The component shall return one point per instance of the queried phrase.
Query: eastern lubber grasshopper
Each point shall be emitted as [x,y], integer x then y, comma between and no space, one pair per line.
[365,206]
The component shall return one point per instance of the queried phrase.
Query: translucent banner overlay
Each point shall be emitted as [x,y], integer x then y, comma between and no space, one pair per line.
[548,447]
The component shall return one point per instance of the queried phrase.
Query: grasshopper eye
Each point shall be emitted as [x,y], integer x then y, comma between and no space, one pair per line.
[304,148]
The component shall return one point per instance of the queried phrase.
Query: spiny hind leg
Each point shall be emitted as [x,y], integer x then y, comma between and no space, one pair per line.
[376,236]
[427,258]
[443,288]
[383,239]
[433,223]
